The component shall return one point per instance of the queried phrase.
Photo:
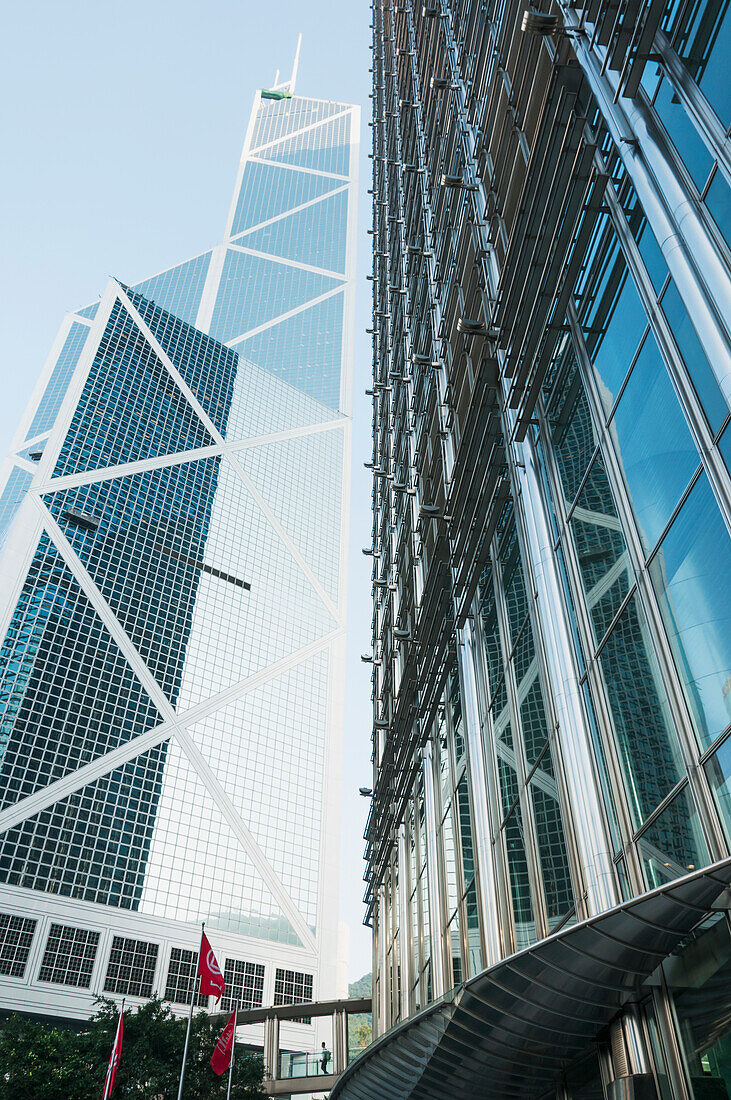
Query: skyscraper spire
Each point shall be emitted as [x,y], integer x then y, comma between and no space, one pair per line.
[295,65]
[289,85]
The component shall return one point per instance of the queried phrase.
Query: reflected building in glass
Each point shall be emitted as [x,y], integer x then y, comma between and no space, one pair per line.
[172,591]
[551,558]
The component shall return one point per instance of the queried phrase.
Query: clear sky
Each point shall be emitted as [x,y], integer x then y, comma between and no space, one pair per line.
[121,132]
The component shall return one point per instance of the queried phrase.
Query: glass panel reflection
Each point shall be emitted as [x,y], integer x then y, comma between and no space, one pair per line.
[525,654]
[600,548]
[683,134]
[701,375]
[525,928]
[701,33]
[690,574]
[674,844]
[455,941]
[574,438]
[554,863]
[509,786]
[646,740]
[653,444]
[533,720]
[718,201]
[718,770]
[516,597]
[615,322]
[465,829]
[474,945]
[450,862]
[490,632]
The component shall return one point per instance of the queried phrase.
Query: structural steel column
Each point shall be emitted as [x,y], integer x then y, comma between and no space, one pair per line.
[275,1046]
[692,258]
[382,956]
[337,1041]
[404,923]
[434,879]
[577,751]
[588,817]
[487,894]
[268,1047]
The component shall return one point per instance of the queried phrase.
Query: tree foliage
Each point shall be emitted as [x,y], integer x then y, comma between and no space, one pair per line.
[360,1031]
[42,1062]
[363,987]
[361,1035]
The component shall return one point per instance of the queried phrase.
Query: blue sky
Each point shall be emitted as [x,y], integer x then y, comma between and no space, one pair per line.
[122,130]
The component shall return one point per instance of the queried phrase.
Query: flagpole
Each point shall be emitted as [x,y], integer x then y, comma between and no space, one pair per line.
[109,1067]
[233,1049]
[196,978]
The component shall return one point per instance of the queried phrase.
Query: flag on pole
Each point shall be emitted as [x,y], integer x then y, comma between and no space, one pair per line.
[114,1058]
[212,983]
[224,1047]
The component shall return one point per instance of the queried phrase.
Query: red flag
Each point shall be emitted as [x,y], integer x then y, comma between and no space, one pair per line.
[114,1060]
[221,1059]
[212,982]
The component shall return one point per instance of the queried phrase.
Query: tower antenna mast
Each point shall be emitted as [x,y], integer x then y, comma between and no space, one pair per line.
[295,65]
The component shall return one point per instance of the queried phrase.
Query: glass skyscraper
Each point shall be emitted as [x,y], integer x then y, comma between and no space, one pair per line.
[549,838]
[172,584]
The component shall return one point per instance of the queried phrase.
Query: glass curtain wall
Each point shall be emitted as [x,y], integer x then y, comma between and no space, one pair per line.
[628,433]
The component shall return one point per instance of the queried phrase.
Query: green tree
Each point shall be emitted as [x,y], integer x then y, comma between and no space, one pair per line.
[361,1035]
[360,1029]
[362,987]
[38,1062]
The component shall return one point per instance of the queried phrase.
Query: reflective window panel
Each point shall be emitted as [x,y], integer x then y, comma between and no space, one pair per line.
[645,734]
[690,573]
[673,845]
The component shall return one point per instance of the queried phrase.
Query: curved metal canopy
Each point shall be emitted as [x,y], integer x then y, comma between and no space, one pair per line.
[511,1030]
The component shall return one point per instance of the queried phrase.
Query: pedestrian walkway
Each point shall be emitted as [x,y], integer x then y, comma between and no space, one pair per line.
[288,1073]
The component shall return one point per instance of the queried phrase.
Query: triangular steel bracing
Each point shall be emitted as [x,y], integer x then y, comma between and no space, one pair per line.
[171,651]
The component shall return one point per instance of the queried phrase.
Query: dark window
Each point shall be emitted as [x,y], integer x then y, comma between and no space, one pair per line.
[244,985]
[181,977]
[16,936]
[131,967]
[292,988]
[69,956]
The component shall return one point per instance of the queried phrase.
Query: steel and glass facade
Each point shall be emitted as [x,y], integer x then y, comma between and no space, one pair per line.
[551,508]
[172,595]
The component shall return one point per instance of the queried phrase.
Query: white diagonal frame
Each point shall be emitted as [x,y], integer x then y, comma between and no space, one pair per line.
[177,458]
[298,168]
[214,432]
[102,765]
[228,811]
[285,213]
[285,260]
[317,125]
[286,316]
[138,745]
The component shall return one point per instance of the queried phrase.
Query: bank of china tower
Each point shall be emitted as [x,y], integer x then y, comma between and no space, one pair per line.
[174,545]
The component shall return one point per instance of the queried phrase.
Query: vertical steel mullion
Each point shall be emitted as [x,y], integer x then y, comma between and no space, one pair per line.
[532,857]
[488,763]
[615,776]
[699,271]
[434,876]
[484,855]
[405,923]
[575,737]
